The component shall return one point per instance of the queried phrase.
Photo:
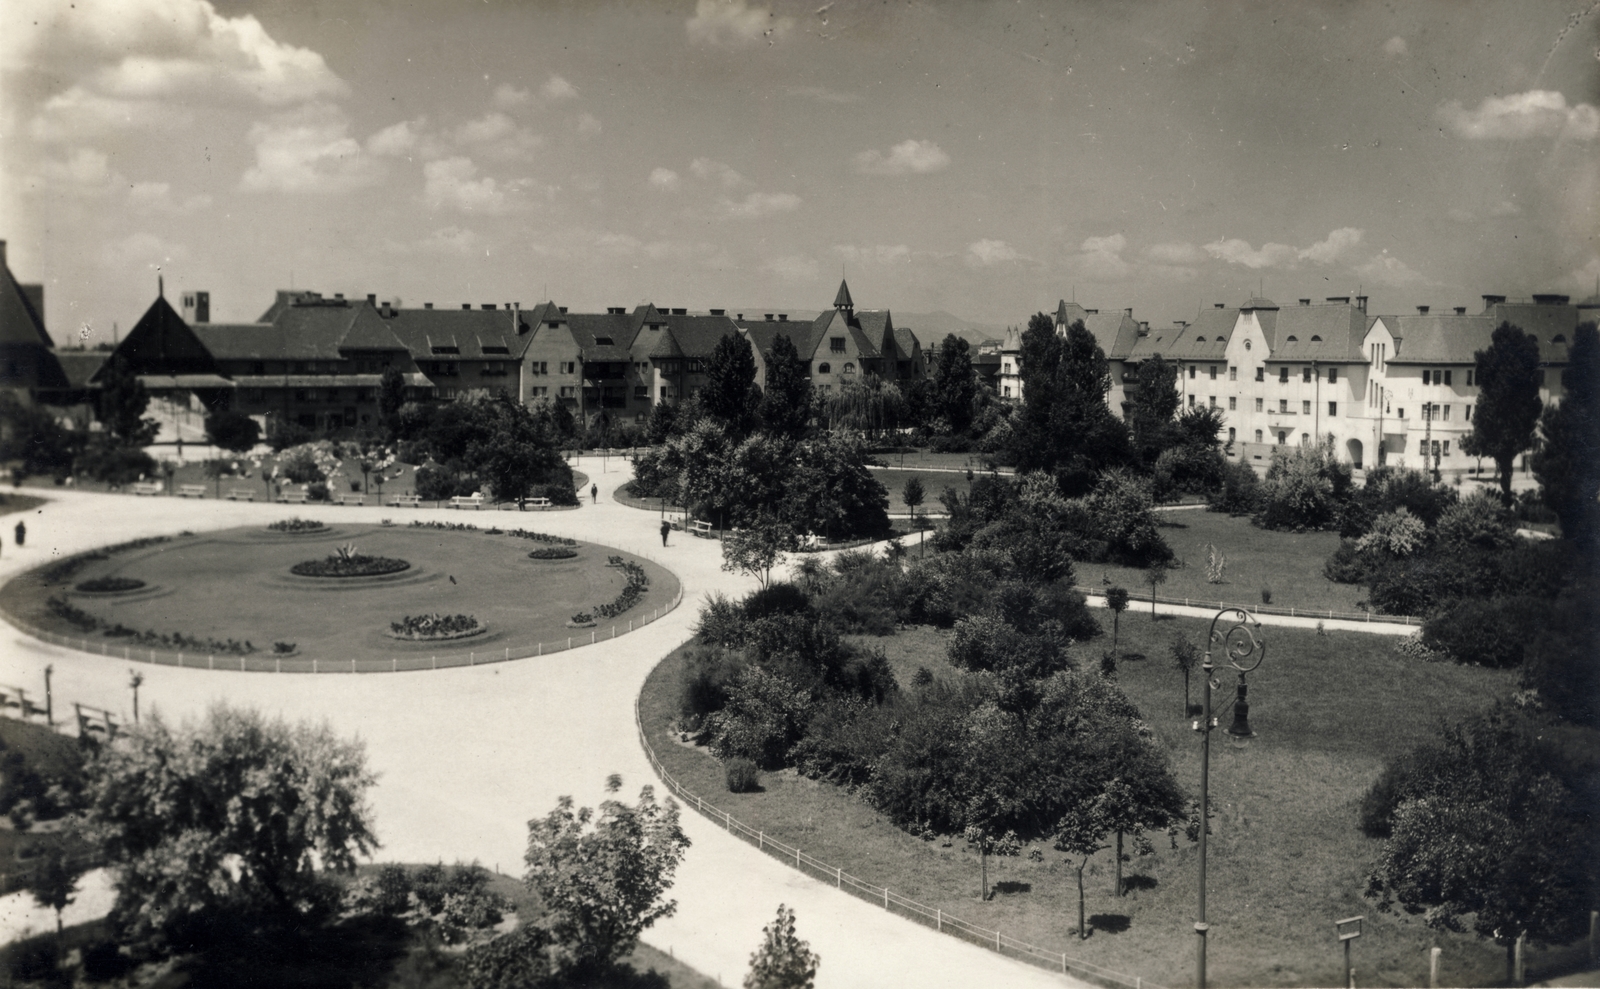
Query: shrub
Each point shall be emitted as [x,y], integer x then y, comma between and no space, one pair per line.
[1479,521]
[347,561]
[318,491]
[1304,489]
[1240,490]
[765,715]
[300,467]
[1487,633]
[709,673]
[296,525]
[1417,585]
[1562,662]
[742,775]
[1396,533]
[283,434]
[553,553]
[104,460]
[1345,566]
[435,626]
[777,598]
[721,621]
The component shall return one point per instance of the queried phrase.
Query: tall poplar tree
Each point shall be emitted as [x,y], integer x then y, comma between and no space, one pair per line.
[1508,400]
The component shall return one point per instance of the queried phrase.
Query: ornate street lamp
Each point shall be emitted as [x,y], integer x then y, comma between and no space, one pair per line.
[1235,639]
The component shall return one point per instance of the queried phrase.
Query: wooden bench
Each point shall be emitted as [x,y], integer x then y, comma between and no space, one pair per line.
[474,501]
[406,501]
[540,503]
[191,491]
[147,487]
[700,527]
[351,499]
[293,498]
[241,494]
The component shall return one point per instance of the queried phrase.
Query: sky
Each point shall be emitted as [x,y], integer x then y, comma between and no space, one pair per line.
[985,159]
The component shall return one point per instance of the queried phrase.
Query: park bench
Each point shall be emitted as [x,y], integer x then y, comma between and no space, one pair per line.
[293,498]
[191,491]
[474,500]
[700,527]
[406,501]
[238,494]
[147,487]
[351,499]
[539,503]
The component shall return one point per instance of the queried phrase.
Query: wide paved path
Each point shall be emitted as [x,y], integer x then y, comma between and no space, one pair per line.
[466,756]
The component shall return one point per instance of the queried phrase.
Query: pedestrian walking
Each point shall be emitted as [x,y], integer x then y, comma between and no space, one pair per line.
[666,527]
[594,494]
[22,533]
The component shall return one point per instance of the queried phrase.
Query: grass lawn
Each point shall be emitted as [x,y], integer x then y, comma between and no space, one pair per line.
[1286,856]
[927,458]
[13,503]
[933,483]
[51,755]
[1289,564]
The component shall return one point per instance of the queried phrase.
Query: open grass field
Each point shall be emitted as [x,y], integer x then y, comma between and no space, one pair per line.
[1287,563]
[1287,858]
[11,504]
[236,584]
[927,458]
[933,482]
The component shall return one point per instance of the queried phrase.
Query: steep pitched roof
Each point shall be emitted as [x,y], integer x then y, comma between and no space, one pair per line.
[1545,322]
[1439,338]
[471,331]
[78,366]
[843,298]
[21,321]
[906,342]
[1319,333]
[697,336]
[162,343]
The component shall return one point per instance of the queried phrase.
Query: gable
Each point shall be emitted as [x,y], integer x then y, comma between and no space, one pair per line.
[162,343]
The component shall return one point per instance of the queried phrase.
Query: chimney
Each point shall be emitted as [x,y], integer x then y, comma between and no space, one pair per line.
[386,310]
[197,307]
[488,306]
[372,298]
[427,305]
[466,305]
[1493,300]
[1129,310]
[719,312]
[741,317]
[1220,305]
[769,317]
[783,317]
[1305,302]
[1422,310]
[1144,327]
[1361,303]
[1461,310]
[1343,300]
[1551,300]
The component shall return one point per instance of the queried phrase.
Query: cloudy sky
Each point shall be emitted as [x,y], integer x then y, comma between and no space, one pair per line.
[985,159]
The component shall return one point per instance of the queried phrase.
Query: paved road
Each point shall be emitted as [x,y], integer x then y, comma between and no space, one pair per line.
[466,756]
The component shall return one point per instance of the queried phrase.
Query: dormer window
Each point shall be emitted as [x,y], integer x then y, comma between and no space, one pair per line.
[1559,338]
[1291,338]
[602,341]
[849,369]
[496,350]
[446,350]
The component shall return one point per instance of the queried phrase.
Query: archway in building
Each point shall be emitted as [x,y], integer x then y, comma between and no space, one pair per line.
[1354,449]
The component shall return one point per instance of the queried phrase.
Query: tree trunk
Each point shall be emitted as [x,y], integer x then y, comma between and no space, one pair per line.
[1507,468]
[1117,884]
[983,874]
[1185,693]
[1116,626]
[1083,931]
[1511,962]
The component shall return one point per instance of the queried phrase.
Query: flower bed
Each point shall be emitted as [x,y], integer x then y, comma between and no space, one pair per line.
[110,585]
[295,526]
[62,571]
[175,641]
[637,583]
[347,561]
[553,553]
[436,627]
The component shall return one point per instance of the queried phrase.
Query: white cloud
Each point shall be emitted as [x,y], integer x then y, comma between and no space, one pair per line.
[78,113]
[664,179]
[1395,47]
[1536,113]
[874,254]
[911,156]
[1174,253]
[706,168]
[1387,270]
[759,204]
[793,268]
[308,151]
[1338,243]
[1101,258]
[508,97]
[156,197]
[398,140]
[1236,251]
[588,124]
[454,182]
[824,95]
[986,253]
[557,88]
[144,250]
[85,172]
[732,23]
[498,136]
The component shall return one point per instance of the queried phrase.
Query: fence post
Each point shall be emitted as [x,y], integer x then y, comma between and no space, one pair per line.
[472,658]
[938,921]
[838,878]
[314,666]
[727,821]
[1433,967]
[761,840]
[797,856]
[886,897]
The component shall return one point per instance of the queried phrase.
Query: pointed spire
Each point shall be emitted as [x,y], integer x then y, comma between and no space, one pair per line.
[161,285]
[843,300]
[1061,312]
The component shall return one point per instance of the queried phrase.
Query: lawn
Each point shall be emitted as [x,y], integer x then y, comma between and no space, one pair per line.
[10,504]
[947,461]
[1286,859]
[894,481]
[1288,564]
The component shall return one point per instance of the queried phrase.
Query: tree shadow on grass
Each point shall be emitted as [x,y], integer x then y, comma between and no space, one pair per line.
[1111,923]
[1164,524]
[1139,882]
[358,953]
[1009,887]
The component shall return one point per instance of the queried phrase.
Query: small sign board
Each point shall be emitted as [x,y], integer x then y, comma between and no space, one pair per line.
[1349,928]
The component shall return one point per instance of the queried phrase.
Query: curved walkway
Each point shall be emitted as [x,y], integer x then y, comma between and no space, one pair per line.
[466,756]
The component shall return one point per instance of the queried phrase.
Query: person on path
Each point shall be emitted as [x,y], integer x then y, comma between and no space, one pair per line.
[22,533]
[594,494]
[666,527]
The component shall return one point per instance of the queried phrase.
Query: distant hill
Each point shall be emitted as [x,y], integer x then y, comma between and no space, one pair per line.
[930,327]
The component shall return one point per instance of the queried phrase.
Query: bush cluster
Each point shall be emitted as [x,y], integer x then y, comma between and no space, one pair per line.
[110,584]
[553,553]
[435,626]
[637,583]
[297,525]
[453,904]
[86,622]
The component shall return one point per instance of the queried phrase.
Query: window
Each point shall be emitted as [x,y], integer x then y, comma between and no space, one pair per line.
[1291,338]
[1212,401]
[1258,436]
[1258,405]
[836,345]
[1191,401]
[569,391]
[1192,370]
[1283,405]
[1447,413]
[641,392]
[1005,391]
[1469,379]
[539,392]
[1233,374]
[1233,403]
[1468,414]
[1447,377]
[1261,374]
[1283,375]
[1305,408]
[1447,448]
[569,367]
[1315,338]
[1333,375]
[849,368]
[663,387]
[446,350]
[1233,434]
[1559,338]
[1283,437]
[1305,375]
[1305,439]
[1247,345]
[539,367]
[824,368]
[1333,410]
[1213,370]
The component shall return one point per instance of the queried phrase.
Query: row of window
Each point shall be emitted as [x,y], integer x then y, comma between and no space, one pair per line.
[1306,373]
[826,368]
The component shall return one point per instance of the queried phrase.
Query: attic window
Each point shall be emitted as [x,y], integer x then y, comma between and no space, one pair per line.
[1291,338]
[496,350]
[655,326]
[1247,345]
[446,350]
[603,341]
[552,323]
[1315,338]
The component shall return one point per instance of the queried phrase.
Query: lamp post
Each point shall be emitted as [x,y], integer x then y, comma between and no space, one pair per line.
[135,678]
[49,698]
[1242,648]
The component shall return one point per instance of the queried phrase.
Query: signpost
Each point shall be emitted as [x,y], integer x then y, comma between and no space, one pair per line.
[1348,930]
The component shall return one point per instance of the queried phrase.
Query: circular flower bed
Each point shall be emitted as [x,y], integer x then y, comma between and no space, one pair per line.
[297,525]
[347,561]
[436,627]
[110,585]
[553,553]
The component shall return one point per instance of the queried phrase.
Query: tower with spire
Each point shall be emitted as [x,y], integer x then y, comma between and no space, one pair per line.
[842,302]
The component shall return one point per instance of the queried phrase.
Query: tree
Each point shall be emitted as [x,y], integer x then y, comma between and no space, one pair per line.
[1567,462]
[123,402]
[233,816]
[663,423]
[1508,400]
[783,961]
[987,842]
[512,450]
[602,877]
[912,496]
[1152,406]
[1065,427]
[786,396]
[232,431]
[955,384]
[1154,575]
[1185,657]
[758,547]
[30,434]
[54,884]
[391,397]
[730,395]
[1117,601]
[1081,833]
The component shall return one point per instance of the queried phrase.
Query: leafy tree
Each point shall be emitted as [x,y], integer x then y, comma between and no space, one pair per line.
[988,843]
[232,431]
[663,423]
[1117,601]
[54,884]
[232,816]
[758,547]
[1567,462]
[786,396]
[1154,575]
[603,877]
[1152,407]
[123,402]
[955,384]
[912,495]
[1081,833]
[1508,400]
[1186,658]
[391,397]
[30,434]
[1066,427]
[512,451]
[730,395]
[783,961]
[1304,489]
[105,459]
